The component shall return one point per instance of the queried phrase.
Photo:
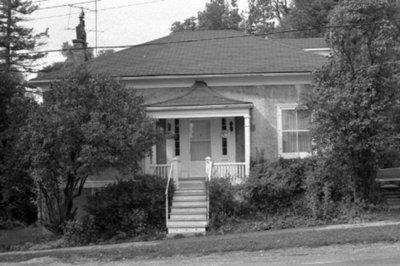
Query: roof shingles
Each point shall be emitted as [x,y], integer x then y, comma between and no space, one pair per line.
[207,52]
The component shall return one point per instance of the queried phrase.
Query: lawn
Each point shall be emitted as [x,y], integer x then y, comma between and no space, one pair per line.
[255,241]
[22,238]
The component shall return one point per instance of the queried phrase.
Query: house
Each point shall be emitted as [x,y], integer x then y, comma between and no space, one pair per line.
[223,98]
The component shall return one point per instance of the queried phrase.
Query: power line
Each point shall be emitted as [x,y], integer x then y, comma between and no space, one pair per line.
[66,5]
[103,9]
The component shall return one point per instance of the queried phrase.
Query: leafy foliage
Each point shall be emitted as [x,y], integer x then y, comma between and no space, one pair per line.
[274,186]
[123,209]
[17,200]
[217,15]
[262,15]
[224,203]
[17,197]
[85,124]
[355,93]
[307,18]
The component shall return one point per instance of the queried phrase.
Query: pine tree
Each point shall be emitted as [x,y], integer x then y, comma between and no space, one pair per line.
[16,41]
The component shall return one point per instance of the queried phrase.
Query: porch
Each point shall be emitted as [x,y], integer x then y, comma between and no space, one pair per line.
[205,136]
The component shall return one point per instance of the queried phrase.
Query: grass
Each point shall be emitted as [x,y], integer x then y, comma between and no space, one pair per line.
[24,237]
[256,241]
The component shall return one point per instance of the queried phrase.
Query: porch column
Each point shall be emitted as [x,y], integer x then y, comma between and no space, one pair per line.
[247,146]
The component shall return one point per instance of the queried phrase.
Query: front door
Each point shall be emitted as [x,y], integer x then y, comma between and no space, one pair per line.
[200,146]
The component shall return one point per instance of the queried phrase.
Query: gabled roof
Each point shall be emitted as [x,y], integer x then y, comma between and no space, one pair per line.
[207,53]
[199,95]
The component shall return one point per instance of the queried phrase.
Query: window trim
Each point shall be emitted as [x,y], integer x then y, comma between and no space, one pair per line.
[287,155]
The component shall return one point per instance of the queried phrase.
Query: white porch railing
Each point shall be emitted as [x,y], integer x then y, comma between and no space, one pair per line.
[161,170]
[234,171]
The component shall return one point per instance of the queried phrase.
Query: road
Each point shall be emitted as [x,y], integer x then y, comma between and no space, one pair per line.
[367,254]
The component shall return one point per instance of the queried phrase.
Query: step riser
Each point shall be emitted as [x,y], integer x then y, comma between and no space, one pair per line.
[192,187]
[188,210]
[190,198]
[186,224]
[189,204]
[190,193]
[186,231]
[190,217]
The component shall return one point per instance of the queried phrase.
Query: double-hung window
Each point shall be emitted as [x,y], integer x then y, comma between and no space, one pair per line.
[294,138]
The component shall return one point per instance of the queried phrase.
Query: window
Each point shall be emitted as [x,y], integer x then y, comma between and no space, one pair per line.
[177,138]
[224,140]
[294,138]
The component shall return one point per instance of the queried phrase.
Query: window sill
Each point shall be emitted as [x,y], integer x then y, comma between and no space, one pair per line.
[295,155]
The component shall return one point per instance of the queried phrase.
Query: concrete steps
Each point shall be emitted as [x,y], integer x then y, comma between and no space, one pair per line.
[189,208]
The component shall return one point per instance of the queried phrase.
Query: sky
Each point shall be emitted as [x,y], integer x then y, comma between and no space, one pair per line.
[119,22]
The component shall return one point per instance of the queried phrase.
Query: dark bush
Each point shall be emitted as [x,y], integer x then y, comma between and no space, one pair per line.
[126,208]
[329,190]
[273,186]
[224,202]
[80,232]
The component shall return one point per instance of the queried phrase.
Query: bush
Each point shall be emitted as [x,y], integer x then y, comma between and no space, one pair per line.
[328,186]
[79,232]
[122,210]
[224,202]
[129,207]
[273,186]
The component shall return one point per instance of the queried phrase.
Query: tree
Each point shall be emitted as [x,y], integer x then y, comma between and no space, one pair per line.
[307,18]
[16,41]
[260,19]
[189,24]
[17,191]
[217,15]
[356,93]
[105,52]
[300,18]
[15,38]
[85,124]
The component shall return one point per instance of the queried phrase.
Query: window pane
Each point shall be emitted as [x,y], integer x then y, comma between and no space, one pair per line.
[304,142]
[289,140]
[200,129]
[303,120]
[288,119]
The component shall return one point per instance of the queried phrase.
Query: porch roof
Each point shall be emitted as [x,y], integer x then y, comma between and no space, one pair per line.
[199,95]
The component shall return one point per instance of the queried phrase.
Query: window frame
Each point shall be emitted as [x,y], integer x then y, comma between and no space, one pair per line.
[287,155]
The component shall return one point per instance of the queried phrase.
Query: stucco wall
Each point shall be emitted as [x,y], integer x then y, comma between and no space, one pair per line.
[265,99]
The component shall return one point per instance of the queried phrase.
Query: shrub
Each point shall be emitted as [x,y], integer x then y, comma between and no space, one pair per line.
[224,203]
[79,232]
[273,186]
[128,208]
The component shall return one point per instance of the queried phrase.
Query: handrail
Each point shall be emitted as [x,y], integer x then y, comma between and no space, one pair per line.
[166,196]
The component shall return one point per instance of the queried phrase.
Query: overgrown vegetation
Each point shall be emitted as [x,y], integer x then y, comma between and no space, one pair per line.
[284,194]
[86,124]
[355,99]
[17,193]
[123,210]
